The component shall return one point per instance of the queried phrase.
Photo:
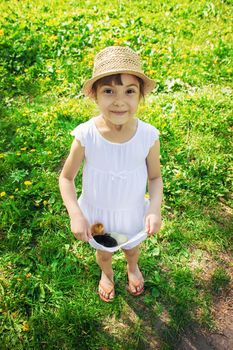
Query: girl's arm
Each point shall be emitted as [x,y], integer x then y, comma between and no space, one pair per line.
[155,187]
[79,225]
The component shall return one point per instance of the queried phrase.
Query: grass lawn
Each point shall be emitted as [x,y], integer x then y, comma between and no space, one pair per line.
[48,279]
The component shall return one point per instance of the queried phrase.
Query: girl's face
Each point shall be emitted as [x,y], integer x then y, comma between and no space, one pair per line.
[119,103]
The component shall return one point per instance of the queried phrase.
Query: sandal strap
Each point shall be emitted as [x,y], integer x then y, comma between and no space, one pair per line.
[111,290]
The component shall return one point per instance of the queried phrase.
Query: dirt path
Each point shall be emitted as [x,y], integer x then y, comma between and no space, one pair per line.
[222,337]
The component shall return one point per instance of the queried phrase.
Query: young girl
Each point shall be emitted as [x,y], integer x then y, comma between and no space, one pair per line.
[120,154]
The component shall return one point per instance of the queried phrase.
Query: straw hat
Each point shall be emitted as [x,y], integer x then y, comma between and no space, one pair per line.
[117,60]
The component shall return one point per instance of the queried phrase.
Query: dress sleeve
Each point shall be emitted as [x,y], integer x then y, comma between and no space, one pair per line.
[154,135]
[79,134]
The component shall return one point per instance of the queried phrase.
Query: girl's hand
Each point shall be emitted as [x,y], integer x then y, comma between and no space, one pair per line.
[153,223]
[80,228]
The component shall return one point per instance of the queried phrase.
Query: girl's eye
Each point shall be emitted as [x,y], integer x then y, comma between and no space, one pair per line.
[130,91]
[108,91]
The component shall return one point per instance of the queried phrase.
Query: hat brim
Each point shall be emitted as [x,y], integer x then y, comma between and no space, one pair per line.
[149,84]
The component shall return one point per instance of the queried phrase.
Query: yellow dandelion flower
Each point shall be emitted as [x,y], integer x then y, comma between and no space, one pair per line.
[16,190]
[19,279]
[1,32]
[45,202]
[27,183]
[33,150]
[23,148]
[12,197]
[49,152]
[53,37]
[2,194]
[178,174]
[28,275]
[25,326]
[118,41]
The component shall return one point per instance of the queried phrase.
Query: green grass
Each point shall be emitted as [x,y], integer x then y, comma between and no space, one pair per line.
[48,279]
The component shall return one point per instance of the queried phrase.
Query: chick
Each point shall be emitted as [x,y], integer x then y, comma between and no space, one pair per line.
[100,237]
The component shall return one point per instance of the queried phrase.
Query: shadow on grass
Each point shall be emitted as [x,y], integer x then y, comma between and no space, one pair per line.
[175,311]
[167,328]
[174,327]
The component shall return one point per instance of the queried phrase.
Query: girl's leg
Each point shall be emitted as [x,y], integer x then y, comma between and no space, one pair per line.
[106,285]
[136,281]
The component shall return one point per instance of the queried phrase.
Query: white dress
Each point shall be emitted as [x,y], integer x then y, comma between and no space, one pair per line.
[115,178]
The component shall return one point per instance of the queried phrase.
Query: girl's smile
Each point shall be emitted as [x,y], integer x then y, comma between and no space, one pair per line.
[119,113]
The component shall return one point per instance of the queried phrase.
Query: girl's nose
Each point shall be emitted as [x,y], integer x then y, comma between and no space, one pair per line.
[118,102]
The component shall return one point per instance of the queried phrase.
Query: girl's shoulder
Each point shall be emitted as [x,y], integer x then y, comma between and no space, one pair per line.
[83,126]
[149,134]
[82,130]
[149,130]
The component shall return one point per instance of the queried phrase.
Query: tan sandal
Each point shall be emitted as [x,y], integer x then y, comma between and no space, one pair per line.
[107,300]
[137,293]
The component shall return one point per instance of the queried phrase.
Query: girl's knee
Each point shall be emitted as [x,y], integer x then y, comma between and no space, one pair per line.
[131,252]
[103,256]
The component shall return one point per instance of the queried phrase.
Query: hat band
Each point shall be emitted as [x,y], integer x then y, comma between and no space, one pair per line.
[110,65]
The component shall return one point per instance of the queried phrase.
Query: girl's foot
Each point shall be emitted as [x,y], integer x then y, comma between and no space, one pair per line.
[106,288]
[135,284]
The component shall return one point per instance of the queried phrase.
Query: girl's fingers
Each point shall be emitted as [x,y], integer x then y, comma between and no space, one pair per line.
[84,236]
[81,236]
[89,235]
[151,228]
[77,235]
[152,225]
[147,226]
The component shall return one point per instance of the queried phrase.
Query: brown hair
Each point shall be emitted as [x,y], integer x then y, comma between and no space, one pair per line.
[116,79]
